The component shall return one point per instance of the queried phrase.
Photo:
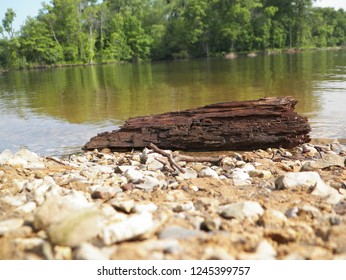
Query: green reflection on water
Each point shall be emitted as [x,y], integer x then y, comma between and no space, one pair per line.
[115,92]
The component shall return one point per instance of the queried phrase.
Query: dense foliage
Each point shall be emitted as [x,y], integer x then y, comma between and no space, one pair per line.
[88,31]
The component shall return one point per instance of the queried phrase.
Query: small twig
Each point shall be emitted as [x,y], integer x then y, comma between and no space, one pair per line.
[168,156]
[165,163]
[172,160]
[56,160]
[215,160]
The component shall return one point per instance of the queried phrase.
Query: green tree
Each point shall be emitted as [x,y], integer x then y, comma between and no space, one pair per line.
[38,44]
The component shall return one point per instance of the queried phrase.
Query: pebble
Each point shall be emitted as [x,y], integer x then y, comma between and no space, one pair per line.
[168,246]
[211,224]
[26,208]
[182,207]
[55,209]
[273,219]
[110,205]
[15,201]
[179,233]
[216,253]
[209,173]
[130,228]
[240,177]
[10,225]
[241,210]
[133,175]
[75,228]
[311,210]
[103,192]
[5,156]
[327,160]
[263,174]
[87,251]
[33,243]
[27,159]
[141,208]
[149,183]
[124,206]
[293,180]
[189,173]
[264,251]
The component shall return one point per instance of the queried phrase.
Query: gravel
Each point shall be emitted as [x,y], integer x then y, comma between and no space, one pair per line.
[264,204]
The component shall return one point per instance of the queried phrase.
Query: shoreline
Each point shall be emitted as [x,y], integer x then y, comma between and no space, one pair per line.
[263,204]
[231,55]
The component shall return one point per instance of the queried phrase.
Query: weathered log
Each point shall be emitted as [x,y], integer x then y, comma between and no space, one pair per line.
[245,125]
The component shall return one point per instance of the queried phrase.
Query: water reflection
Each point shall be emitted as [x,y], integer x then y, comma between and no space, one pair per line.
[58,110]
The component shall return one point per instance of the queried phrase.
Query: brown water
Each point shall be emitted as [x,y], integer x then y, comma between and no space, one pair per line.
[56,111]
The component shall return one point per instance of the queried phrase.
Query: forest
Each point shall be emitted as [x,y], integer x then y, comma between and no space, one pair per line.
[90,31]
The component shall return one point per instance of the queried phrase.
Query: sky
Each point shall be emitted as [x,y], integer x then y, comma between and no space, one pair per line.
[24,8]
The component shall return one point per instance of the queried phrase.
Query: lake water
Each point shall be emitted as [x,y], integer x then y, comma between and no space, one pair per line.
[56,111]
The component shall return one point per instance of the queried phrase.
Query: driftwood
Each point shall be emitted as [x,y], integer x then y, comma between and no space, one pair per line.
[246,125]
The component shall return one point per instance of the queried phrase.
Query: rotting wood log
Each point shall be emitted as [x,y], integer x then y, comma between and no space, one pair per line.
[239,125]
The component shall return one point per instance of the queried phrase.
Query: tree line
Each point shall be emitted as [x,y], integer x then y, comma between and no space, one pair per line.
[91,31]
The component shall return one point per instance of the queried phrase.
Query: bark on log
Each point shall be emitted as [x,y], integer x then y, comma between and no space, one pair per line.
[246,125]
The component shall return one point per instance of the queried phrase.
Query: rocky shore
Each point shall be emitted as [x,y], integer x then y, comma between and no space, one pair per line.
[263,204]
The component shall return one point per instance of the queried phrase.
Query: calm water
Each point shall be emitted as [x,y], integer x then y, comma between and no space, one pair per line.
[56,111]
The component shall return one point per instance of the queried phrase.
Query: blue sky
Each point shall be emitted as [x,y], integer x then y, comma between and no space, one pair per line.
[24,8]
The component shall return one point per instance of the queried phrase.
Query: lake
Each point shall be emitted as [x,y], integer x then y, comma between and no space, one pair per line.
[56,111]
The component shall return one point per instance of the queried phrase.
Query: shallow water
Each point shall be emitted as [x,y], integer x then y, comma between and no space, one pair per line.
[56,111]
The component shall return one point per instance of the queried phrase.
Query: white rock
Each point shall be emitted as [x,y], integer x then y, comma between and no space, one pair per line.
[76,227]
[307,148]
[101,169]
[227,163]
[32,159]
[26,208]
[241,210]
[17,161]
[128,229]
[124,206]
[208,172]
[330,194]
[55,209]
[264,251]
[9,225]
[149,183]
[194,188]
[189,174]
[248,167]
[182,207]
[87,251]
[298,179]
[292,212]
[151,162]
[42,188]
[263,174]
[310,181]
[29,243]
[133,175]
[5,156]
[240,177]
[169,246]
[326,161]
[107,210]
[17,200]
[141,208]
[124,168]
[216,253]
[19,185]
[314,211]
